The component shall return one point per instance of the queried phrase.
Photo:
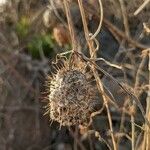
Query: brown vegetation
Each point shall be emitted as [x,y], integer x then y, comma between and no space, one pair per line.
[101,49]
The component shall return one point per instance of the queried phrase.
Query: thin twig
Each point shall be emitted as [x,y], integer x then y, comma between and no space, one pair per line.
[56,13]
[115,81]
[71,26]
[109,25]
[122,35]
[141,7]
[95,73]
[108,63]
[77,140]
[100,22]
[125,18]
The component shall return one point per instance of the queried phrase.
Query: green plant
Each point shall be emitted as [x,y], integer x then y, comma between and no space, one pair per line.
[41,43]
[22,27]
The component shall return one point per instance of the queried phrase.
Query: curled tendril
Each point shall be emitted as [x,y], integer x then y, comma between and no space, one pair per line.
[100,22]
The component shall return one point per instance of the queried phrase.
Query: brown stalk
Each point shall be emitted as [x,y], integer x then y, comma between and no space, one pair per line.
[95,73]
[145,145]
[71,26]
[141,7]
[125,18]
[112,28]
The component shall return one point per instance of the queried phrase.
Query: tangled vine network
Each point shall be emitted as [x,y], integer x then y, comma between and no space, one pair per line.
[73,96]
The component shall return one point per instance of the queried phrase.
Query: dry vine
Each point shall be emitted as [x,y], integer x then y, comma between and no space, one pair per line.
[71,91]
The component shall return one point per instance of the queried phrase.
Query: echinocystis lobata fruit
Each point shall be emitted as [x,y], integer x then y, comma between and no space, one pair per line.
[71,95]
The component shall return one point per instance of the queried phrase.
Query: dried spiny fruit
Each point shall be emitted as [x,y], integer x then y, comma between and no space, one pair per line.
[72,96]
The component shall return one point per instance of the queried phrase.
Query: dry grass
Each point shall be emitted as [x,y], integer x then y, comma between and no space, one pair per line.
[120,117]
[90,39]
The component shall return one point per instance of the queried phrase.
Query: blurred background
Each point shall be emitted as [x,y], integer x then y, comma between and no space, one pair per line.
[31,34]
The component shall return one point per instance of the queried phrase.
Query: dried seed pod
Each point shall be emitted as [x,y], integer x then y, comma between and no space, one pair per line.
[72,96]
